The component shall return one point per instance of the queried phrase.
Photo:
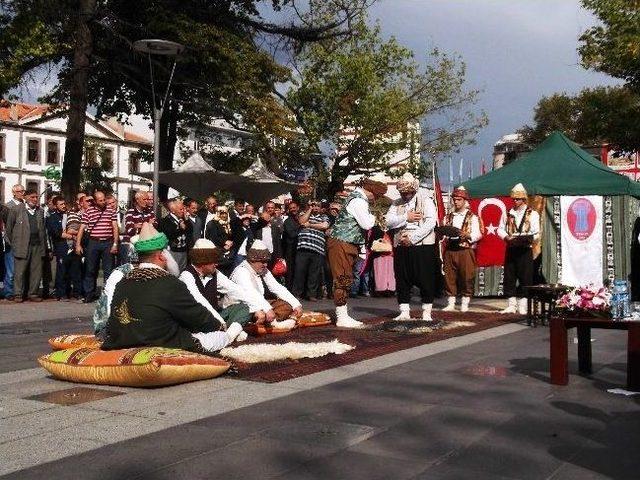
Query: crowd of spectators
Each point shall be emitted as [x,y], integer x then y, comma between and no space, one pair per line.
[57,250]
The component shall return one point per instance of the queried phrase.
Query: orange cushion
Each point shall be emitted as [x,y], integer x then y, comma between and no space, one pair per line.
[132,367]
[313,319]
[63,342]
[264,329]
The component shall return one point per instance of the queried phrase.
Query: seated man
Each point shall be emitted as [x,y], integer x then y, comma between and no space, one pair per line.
[207,285]
[103,305]
[151,307]
[253,274]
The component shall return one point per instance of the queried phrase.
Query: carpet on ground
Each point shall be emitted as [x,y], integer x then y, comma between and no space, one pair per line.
[370,342]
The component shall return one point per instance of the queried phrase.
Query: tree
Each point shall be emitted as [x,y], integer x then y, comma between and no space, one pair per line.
[613,46]
[364,95]
[225,72]
[595,116]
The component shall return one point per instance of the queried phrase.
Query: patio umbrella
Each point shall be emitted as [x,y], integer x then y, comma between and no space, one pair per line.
[197,179]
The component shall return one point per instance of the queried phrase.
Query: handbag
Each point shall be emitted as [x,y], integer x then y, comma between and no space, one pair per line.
[382,245]
[279,268]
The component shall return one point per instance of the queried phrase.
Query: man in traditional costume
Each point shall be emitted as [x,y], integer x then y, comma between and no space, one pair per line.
[280,306]
[344,242]
[208,286]
[519,229]
[151,307]
[460,257]
[415,259]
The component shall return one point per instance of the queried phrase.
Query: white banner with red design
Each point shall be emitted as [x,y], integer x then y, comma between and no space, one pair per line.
[581,240]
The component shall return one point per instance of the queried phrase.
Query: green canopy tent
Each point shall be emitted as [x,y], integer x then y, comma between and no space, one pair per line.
[558,167]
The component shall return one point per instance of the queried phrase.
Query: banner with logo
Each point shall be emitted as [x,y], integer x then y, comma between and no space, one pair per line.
[581,240]
[491,249]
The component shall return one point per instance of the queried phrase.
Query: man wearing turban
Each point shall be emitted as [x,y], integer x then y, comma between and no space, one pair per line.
[346,238]
[519,229]
[415,262]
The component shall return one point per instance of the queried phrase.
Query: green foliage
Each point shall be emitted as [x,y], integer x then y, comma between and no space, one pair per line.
[595,116]
[613,46]
[375,91]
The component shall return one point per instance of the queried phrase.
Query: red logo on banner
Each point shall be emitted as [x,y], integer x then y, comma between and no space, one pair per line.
[581,218]
[491,248]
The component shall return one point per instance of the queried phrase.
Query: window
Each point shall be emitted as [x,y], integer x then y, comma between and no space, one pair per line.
[33,150]
[33,184]
[53,152]
[2,142]
[106,159]
[90,157]
[134,163]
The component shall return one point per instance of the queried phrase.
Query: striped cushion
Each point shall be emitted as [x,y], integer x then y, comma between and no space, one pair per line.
[62,342]
[132,367]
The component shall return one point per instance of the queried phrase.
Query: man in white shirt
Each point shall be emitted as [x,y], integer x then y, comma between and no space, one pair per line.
[460,256]
[520,229]
[207,285]
[415,258]
[343,245]
[253,275]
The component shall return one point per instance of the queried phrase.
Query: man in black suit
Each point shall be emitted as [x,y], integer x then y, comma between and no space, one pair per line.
[208,213]
[191,207]
[178,230]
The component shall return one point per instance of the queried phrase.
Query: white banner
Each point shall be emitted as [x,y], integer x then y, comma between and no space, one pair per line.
[581,238]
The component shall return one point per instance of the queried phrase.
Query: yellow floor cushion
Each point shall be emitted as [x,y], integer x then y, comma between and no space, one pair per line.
[63,342]
[132,367]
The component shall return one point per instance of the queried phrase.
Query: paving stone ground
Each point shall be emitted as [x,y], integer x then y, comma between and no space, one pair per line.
[479,406]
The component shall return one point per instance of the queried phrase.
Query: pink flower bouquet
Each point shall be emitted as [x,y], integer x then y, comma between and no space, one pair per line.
[587,298]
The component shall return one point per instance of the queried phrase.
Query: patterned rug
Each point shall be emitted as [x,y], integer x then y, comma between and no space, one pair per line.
[374,341]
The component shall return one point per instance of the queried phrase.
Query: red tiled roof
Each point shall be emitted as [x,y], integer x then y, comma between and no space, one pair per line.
[14,111]
[132,137]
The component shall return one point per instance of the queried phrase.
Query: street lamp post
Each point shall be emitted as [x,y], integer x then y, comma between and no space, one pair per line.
[167,49]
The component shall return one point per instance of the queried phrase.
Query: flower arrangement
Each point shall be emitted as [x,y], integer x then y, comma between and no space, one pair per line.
[586,299]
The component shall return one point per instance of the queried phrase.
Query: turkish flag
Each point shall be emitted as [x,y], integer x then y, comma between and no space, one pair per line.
[491,248]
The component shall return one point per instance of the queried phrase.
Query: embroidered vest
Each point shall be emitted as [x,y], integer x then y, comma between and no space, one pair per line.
[346,228]
[208,291]
[466,229]
[524,226]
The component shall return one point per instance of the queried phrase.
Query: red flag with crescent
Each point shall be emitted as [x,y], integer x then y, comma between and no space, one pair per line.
[491,248]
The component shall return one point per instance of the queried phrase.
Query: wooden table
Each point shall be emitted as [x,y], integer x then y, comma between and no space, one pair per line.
[559,327]
[541,302]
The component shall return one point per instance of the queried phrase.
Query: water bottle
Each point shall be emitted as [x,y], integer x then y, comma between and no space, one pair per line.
[620,306]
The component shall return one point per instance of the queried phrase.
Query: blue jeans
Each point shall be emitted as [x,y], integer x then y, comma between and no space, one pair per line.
[97,251]
[360,280]
[9,268]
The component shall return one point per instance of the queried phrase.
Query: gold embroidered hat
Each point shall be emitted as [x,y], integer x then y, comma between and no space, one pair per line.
[460,192]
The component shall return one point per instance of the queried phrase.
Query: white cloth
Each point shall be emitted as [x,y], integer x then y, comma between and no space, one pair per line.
[246,277]
[457,219]
[534,223]
[267,238]
[421,232]
[110,285]
[212,341]
[358,208]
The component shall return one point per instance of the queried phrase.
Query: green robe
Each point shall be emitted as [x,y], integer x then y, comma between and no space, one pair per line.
[150,307]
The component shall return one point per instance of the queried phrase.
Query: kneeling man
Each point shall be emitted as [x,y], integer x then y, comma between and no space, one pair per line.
[208,285]
[253,274]
[151,307]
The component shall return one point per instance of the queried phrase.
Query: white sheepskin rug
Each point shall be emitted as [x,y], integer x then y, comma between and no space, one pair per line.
[272,352]
[452,325]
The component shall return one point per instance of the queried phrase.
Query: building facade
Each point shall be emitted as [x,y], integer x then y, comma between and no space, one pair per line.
[32,141]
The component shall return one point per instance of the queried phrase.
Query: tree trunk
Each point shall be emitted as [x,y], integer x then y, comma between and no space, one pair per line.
[74,145]
[336,184]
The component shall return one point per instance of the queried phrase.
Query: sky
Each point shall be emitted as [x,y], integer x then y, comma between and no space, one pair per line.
[516,52]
